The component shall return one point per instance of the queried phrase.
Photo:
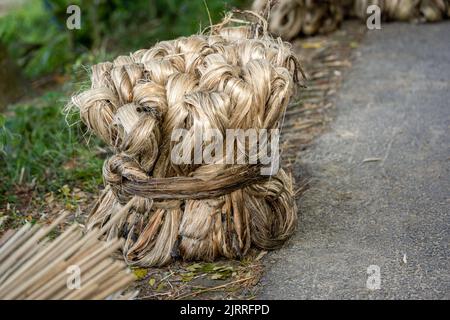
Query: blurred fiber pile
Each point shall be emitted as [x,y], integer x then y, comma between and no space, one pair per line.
[290,18]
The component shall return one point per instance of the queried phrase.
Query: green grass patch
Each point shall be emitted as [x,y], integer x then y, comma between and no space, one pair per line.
[38,147]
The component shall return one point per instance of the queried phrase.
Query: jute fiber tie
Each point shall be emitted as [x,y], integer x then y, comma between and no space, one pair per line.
[235,77]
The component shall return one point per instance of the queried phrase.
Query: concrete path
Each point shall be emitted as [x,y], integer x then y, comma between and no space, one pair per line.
[380,189]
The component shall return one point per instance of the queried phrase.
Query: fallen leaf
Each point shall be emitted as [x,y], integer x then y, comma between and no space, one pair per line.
[194,267]
[140,273]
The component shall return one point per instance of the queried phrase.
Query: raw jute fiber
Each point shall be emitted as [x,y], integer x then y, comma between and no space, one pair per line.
[234,77]
[291,18]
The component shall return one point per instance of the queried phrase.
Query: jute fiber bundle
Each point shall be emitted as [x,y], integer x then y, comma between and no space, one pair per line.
[34,267]
[291,18]
[234,77]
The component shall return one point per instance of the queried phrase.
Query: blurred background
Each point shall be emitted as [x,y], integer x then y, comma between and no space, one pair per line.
[42,63]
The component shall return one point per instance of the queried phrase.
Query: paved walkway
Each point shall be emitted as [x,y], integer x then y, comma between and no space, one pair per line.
[380,189]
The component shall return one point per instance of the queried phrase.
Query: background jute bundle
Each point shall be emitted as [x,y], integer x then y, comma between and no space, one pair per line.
[290,18]
[235,77]
[34,267]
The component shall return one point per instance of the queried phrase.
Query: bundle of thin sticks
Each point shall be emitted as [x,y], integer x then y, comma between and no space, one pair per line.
[72,266]
[234,77]
[291,18]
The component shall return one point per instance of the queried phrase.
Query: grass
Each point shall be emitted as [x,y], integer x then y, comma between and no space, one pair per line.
[40,151]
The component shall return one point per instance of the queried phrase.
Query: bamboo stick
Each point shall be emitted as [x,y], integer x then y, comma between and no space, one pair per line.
[34,267]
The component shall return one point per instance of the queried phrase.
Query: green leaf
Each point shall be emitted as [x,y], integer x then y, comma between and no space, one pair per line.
[140,273]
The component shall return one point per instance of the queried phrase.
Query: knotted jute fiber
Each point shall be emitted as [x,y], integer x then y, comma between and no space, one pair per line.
[234,77]
[291,18]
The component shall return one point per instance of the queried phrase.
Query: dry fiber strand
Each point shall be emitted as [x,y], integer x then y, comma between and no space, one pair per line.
[291,18]
[234,77]
[34,267]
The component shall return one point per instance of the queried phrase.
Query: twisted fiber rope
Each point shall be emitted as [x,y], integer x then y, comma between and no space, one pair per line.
[290,18]
[234,78]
